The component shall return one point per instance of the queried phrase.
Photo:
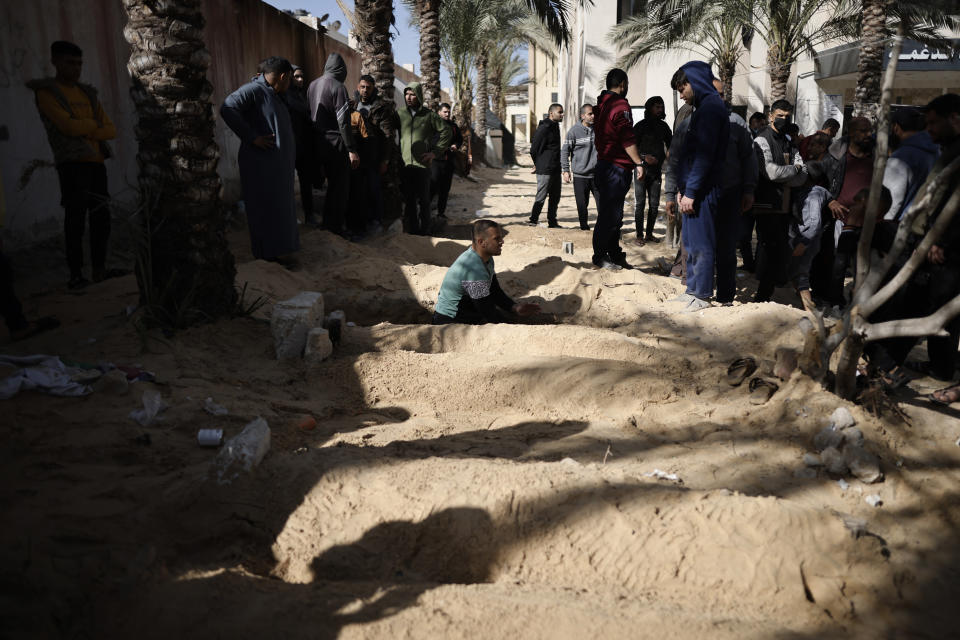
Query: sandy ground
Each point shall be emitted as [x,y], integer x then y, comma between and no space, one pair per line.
[467,482]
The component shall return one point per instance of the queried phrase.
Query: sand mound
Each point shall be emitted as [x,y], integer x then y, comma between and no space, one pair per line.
[587,475]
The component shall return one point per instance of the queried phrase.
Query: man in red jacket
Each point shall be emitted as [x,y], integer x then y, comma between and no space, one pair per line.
[617,160]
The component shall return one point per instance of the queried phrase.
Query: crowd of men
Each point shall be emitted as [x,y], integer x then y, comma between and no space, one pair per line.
[318,132]
[722,179]
[805,197]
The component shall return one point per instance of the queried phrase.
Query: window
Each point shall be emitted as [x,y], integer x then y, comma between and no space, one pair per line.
[554,96]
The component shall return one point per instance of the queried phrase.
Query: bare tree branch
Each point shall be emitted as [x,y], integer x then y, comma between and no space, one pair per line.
[879,164]
[923,200]
[931,325]
[919,255]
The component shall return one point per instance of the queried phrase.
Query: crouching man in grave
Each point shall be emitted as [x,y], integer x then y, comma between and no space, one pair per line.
[470,293]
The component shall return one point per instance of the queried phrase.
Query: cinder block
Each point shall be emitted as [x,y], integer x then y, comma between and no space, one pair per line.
[291,320]
[319,347]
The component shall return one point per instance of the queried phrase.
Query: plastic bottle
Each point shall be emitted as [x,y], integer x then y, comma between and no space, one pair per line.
[243,452]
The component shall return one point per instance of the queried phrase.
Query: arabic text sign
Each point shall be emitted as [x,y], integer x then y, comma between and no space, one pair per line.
[917,57]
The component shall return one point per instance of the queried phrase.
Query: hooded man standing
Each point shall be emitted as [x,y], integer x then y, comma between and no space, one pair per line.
[700,194]
[545,151]
[423,136]
[617,161]
[299,106]
[653,139]
[337,150]
[579,144]
[268,153]
[78,128]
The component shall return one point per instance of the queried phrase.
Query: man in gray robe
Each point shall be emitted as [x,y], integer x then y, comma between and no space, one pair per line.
[267,157]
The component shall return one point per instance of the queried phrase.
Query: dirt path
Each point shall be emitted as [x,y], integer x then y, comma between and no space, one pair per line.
[589,475]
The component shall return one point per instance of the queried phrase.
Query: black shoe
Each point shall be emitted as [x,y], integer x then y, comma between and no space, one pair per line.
[622,262]
[584,228]
[609,266]
[554,225]
[532,223]
[650,238]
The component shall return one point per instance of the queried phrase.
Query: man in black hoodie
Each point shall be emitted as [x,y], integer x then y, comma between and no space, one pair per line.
[337,150]
[653,139]
[299,106]
[545,150]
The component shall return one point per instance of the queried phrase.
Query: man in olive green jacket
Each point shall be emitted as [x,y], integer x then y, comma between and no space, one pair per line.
[423,136]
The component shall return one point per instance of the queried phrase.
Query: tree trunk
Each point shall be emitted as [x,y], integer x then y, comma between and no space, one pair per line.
[371,27]
[870,65]
[496,96]
[483,101]
[430,52]
[727,71]
[463,106]
[779,70]
[186,271]
[850,352]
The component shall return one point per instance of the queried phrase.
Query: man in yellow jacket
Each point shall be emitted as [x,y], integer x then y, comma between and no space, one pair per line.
[78,128]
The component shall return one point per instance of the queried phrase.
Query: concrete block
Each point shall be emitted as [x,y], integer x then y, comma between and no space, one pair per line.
[833,461]
[841,418]
[863,465]
[319,347]
[291,320]
[827,437]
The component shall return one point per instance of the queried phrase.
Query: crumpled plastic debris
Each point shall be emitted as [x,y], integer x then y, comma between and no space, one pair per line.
[153,404]
[662,475]
[213,408]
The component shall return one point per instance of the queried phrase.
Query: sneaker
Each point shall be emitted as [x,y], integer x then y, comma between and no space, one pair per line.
[554,225]
[531,223]
[639,241]
[587,228]
[697,304]
[652,239]
[609,266]
[622,262]
[685,298]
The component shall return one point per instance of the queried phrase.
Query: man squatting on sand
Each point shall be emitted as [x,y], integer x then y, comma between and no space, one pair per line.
[470,292]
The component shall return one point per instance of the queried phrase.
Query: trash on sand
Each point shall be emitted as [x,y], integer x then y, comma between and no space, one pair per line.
[213,408]
[243,452]
[662,475]
[210,437]
[482,213]
[874,500]
[568,247]
[570,462]
[844,485]
[153,404]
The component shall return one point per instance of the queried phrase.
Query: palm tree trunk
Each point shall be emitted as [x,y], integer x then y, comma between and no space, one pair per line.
[186,271]
[727,71]
[463,107]
[496,96]
[870,66]
[371,27]
[483,99]
[779,70]
[430,51]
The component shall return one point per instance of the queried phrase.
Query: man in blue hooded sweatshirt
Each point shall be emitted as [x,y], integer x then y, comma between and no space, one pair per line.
[699,179]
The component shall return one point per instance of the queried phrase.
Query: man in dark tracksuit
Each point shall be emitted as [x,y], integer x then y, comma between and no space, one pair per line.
[617,162]
[699,179]
[579,144]
[653,139]
[545,150]
[296,99]
[441,171]
[337,150]
[781,168]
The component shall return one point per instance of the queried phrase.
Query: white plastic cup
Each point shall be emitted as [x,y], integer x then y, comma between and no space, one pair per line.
[568,247]
[210,437]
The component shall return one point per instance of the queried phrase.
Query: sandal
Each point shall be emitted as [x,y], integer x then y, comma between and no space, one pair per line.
[761,390]
[947,395]
[33,328]
[739,370]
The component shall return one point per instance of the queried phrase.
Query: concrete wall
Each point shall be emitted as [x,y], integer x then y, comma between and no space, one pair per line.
[239,34]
